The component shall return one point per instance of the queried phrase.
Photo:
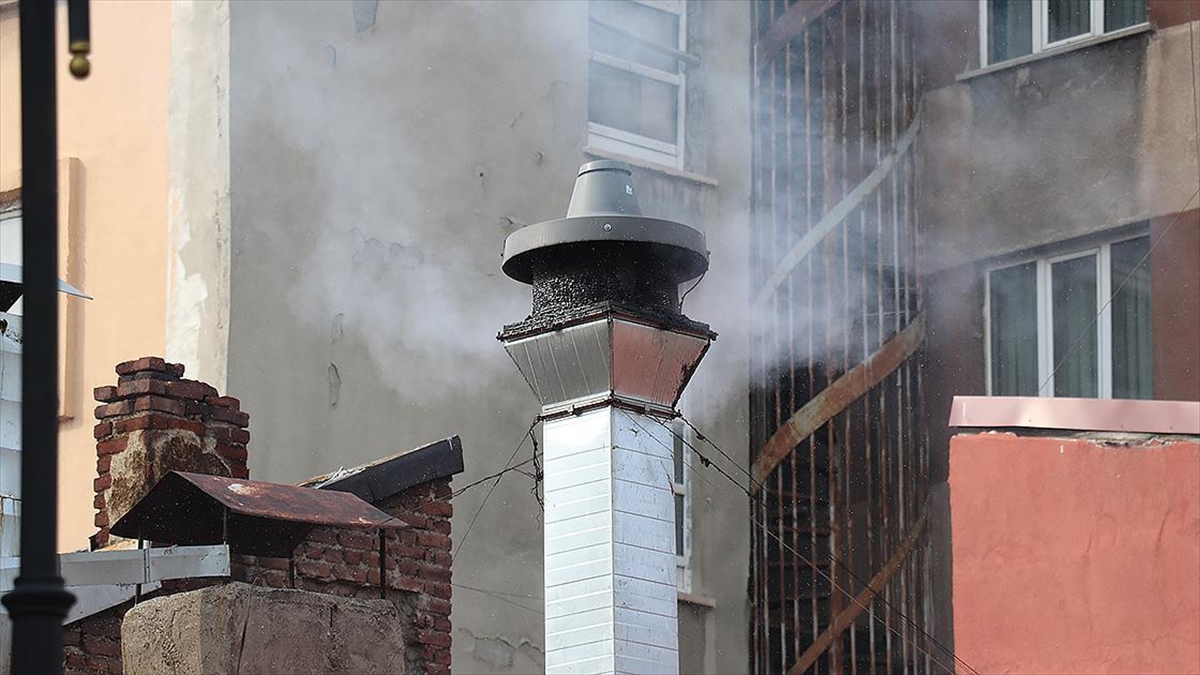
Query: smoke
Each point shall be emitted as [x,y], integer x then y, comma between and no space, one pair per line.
[417,188]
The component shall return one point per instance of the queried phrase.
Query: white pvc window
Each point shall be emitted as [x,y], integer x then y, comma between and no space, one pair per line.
[1052,331]
[10,406]
[1009,29]
[636,86]
[683,505]
[10,241]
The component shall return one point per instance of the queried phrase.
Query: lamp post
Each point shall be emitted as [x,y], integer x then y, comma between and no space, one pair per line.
[39,602]
[608,353]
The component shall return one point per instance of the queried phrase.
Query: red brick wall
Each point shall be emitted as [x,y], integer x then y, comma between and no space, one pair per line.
[345,562]
[153,421]
[93,644]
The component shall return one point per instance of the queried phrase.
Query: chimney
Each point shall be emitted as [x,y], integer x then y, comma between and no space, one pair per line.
[608,353]
[153,421]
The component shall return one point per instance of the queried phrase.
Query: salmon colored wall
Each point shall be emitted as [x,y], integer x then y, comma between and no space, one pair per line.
[1075,557]
[115,124]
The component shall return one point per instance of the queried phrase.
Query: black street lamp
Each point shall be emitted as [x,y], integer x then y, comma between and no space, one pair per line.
[39,601]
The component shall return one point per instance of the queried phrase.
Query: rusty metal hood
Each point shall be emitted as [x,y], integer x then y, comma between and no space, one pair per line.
[253,517]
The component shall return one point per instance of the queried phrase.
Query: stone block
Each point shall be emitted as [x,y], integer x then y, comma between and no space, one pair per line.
[237,627]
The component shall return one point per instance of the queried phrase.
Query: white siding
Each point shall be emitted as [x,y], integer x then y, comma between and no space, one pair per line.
[610,545]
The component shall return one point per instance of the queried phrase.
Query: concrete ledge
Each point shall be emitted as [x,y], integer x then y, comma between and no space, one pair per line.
[239,628]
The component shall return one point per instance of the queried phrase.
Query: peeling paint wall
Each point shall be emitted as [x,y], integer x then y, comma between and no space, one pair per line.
[198,197]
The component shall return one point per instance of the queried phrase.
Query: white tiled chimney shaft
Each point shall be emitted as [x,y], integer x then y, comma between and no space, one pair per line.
[611,342]
[610,590]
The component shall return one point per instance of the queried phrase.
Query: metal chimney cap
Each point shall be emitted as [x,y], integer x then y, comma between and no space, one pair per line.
[604,212]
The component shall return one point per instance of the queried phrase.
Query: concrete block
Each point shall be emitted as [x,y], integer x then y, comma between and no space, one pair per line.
[239,628]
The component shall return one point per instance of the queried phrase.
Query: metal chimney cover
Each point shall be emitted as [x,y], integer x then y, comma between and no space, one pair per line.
[604,213]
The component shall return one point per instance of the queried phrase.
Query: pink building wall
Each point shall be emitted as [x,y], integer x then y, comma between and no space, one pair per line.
[1075,556]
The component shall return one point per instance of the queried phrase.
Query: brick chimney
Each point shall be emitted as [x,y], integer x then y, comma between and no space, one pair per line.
[153,421]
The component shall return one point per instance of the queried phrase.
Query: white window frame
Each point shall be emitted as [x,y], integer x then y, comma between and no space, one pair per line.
[622,142]
[683,563]
[1040,30]
[1046,358]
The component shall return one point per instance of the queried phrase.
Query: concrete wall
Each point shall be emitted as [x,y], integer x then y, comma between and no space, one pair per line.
[114,125]
[379,154]
[1083,559]
[1059,148]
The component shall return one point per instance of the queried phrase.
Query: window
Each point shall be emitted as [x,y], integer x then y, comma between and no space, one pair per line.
[635,84]
[1049,332]
[10,405]
[10,241]
[683,506]
[1013,28]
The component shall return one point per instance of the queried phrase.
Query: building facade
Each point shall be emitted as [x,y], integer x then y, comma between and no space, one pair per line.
[953,198]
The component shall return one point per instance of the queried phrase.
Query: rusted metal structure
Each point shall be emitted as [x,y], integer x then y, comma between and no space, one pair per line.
[254,517]
[839,562]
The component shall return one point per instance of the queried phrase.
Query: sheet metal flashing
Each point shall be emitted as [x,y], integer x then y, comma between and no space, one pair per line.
[1076,414]
[253,517]
[378,480]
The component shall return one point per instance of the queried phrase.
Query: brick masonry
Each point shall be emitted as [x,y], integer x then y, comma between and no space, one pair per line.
[417,568]
[154,421]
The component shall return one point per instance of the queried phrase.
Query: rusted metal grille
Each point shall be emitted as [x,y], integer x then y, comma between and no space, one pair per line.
[840,453]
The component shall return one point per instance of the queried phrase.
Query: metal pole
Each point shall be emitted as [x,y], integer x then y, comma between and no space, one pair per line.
[39,602]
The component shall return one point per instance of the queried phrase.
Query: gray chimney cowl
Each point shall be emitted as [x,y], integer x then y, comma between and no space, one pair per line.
[605,252]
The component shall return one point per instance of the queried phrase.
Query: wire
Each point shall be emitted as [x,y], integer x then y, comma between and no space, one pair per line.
[912,624]
[508,466]
[692,288]
[714,446]
[538,474]
[1084,333]
[500,596]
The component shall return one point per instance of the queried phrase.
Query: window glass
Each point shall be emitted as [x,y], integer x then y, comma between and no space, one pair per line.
[10,246]
[639,105]
[1010,29]
[1073,294]
[1013,320]
[622,29]
[1120,14]
[1068,18]
[1131,351]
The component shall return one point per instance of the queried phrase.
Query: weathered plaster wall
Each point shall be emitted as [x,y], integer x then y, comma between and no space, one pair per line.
[198,198]
[1085,558]
[115,124]
[380,153]
[1059,148]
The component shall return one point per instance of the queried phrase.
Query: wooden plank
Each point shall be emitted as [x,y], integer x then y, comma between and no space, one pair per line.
[861,601]
[834,398]
[788,25]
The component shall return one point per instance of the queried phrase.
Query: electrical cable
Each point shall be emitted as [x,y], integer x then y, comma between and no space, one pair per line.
[500,596]
[498,476]
[707,462]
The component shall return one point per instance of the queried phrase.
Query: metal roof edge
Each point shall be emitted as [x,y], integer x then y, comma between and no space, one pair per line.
[383,478]
[1076,414]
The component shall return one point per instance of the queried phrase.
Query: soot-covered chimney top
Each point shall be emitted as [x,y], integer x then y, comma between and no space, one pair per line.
[605,253]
